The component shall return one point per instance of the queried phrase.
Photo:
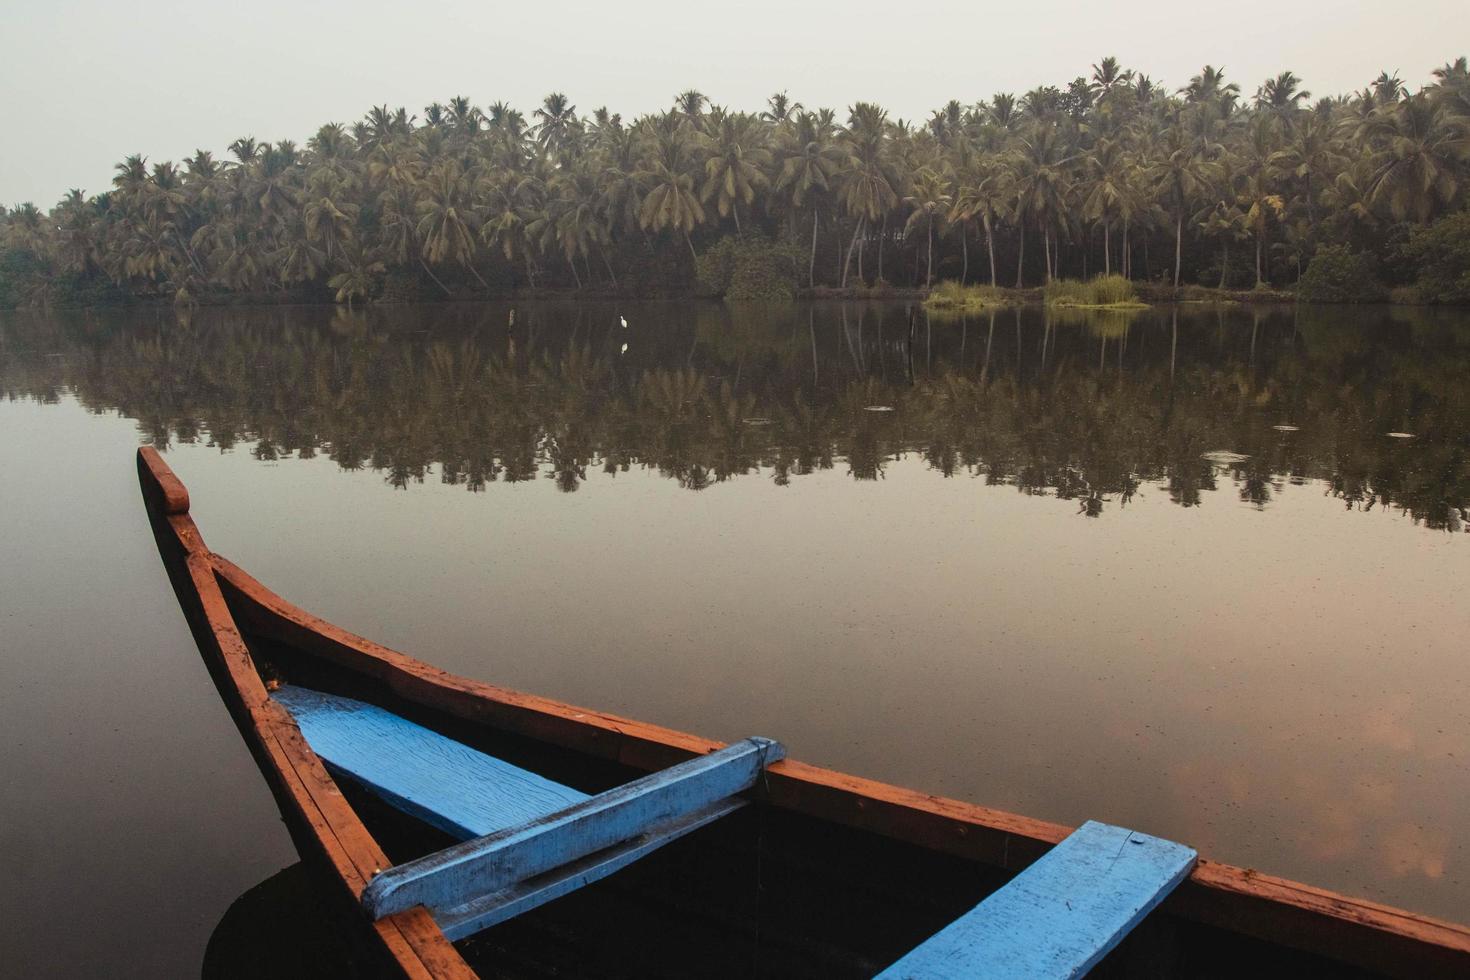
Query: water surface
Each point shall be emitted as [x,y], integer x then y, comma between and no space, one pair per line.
[1201,572]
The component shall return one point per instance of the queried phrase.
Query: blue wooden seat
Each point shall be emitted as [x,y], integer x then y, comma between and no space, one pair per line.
[524,838]
[1060,916]
[444,783]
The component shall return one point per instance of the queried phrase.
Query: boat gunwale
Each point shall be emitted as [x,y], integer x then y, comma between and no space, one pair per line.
[1278,910]
[306,793]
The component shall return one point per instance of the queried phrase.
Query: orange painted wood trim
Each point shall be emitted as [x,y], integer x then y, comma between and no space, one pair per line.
[171,494]
[310,797]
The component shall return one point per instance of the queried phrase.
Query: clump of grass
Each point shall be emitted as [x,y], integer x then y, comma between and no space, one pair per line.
[950,295]
[1104,292]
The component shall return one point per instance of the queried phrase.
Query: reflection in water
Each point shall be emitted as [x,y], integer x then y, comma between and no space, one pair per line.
[1079,405]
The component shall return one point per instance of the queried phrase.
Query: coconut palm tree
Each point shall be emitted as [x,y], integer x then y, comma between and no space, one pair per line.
[557,116]
[446,218]
[808,169]
[735,163]
[670,202]
[1260,205]
[780,109]
[866,189]
[358,277]
[1418,161]
[984,190]
[1180,176]
[1310,155]
[931,202]
[1043,180]
[1108,193]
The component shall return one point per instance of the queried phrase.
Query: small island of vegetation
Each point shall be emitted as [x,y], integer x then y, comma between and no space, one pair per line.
[1156,190]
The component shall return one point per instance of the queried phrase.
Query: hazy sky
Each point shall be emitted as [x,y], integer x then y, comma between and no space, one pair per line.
[83,83]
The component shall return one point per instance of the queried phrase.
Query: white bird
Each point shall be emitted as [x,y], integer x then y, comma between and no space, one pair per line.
[623,320]
[624,350]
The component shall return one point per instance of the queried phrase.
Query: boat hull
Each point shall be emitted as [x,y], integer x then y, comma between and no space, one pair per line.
[246,633]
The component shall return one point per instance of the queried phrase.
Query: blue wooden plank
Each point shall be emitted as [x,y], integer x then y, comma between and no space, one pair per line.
[445,783]
[488,910]
[1060,916]
[458,874]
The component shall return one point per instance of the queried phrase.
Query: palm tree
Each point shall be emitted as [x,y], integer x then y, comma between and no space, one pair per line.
[931,201]
[503,219]
[1260,205]
[733,167]
[557,115]
[1420,150]
[808,168]
[330,225]
[1282,97]
[1107,74]
[446,217]
[358,277]
[1388,89]
[983,190]
[1180,176]
[690,103]
[1109,193]
[574,223]
[1311,153]
[1222,220]
[866,190]
[75,220]
[780,110]
[1210,88]
[1042,181]
[671,202]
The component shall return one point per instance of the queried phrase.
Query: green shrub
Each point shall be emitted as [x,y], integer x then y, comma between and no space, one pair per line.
[1337,274]
[1102,291]
[1108,290]
[950,295]
[1441,255]
[750,268]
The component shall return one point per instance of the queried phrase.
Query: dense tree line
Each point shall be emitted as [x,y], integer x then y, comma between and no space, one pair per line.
[1112,173]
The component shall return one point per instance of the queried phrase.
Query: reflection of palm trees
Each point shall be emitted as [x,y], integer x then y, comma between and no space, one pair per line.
[373,389]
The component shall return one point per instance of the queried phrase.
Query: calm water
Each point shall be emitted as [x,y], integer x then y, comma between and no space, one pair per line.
[986,558]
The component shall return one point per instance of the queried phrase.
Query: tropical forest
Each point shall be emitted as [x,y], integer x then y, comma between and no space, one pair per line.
[1251,189]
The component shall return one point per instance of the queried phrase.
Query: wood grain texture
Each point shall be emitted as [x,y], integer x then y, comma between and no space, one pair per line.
[445,783]
[460,873]
[1061,916]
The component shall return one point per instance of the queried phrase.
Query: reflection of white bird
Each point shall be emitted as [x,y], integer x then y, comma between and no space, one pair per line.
[624,350]
[623,320]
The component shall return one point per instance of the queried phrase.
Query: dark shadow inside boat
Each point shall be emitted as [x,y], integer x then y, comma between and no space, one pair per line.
[766,892]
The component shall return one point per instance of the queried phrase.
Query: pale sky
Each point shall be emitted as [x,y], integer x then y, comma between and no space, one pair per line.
[83,83]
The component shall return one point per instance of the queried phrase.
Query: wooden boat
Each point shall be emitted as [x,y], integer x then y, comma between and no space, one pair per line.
[801,872]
